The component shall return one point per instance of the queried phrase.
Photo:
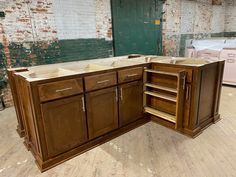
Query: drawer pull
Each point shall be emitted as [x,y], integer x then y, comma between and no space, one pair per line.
[184,82]
[121,94]
[132,75]
[117,95]
[231,55]
[65,89]
[102,82]
[83,104]
[230,61]
[187,92]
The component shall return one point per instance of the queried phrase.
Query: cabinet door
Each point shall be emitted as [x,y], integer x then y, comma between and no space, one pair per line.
[131,102]
[102,111]
[64,124]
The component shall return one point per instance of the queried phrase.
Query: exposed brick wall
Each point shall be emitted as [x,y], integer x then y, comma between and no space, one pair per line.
[36,32]
[103,19]
[230,16]
[187,19]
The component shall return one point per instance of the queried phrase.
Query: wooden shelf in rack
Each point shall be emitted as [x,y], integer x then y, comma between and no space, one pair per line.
[161,114]
[161,72]
[161,87]
[158,95]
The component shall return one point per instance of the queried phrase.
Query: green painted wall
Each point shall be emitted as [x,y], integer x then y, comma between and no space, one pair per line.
[30,54]
[39,53]
[2,68]
[84,49]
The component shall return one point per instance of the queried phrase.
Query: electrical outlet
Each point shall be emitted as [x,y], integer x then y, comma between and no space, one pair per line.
[2,14]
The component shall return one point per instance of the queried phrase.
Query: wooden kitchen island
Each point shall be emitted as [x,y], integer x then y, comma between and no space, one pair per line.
[66,109]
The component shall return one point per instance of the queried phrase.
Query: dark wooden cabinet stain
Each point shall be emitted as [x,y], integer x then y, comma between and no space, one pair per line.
[102,111]
[130,102]
[63,117]
[64,124]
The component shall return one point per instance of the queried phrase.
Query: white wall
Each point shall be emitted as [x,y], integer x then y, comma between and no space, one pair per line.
[83,19]
[230,16]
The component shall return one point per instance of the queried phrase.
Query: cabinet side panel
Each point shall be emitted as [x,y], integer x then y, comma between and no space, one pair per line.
[14,91]
[207,93]
[28,115]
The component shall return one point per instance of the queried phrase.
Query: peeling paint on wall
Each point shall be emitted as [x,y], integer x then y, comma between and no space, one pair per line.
[30,34]
[198,19]
[230,17]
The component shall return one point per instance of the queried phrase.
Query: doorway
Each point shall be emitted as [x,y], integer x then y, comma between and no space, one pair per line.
[137,27]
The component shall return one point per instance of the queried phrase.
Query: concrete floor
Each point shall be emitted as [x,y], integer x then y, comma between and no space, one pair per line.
[151,150]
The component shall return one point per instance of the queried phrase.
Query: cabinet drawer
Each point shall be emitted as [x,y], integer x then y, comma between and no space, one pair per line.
[100,81]
[131,74]
[55,90]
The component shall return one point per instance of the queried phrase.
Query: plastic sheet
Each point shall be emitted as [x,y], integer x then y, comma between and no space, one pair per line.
[214,44]
[210,44]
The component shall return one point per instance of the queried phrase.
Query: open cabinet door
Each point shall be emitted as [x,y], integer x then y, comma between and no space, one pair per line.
[181,85]
[164,92]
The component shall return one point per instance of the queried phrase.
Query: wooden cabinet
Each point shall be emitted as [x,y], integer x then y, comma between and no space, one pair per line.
[131,74]
[130,102]
[164,94]
[60,89]
[184,97]
[66,116]
[100,81]
[64,124]
[102,111]
[12,79]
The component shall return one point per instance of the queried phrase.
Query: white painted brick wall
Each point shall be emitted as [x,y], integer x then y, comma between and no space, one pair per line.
[103,19]
[48,20]
[16,24]
[27,21]
[203,17]
[192,17]
[43,20]
[218,19]
[230,17]
[79,19]
[172,16]
[188,12]
[75,19]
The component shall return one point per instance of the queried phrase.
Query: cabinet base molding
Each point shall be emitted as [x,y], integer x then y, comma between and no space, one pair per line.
[20,132]
[216,118]
[204,125]
[192,133]
[27,145]
[46,165]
